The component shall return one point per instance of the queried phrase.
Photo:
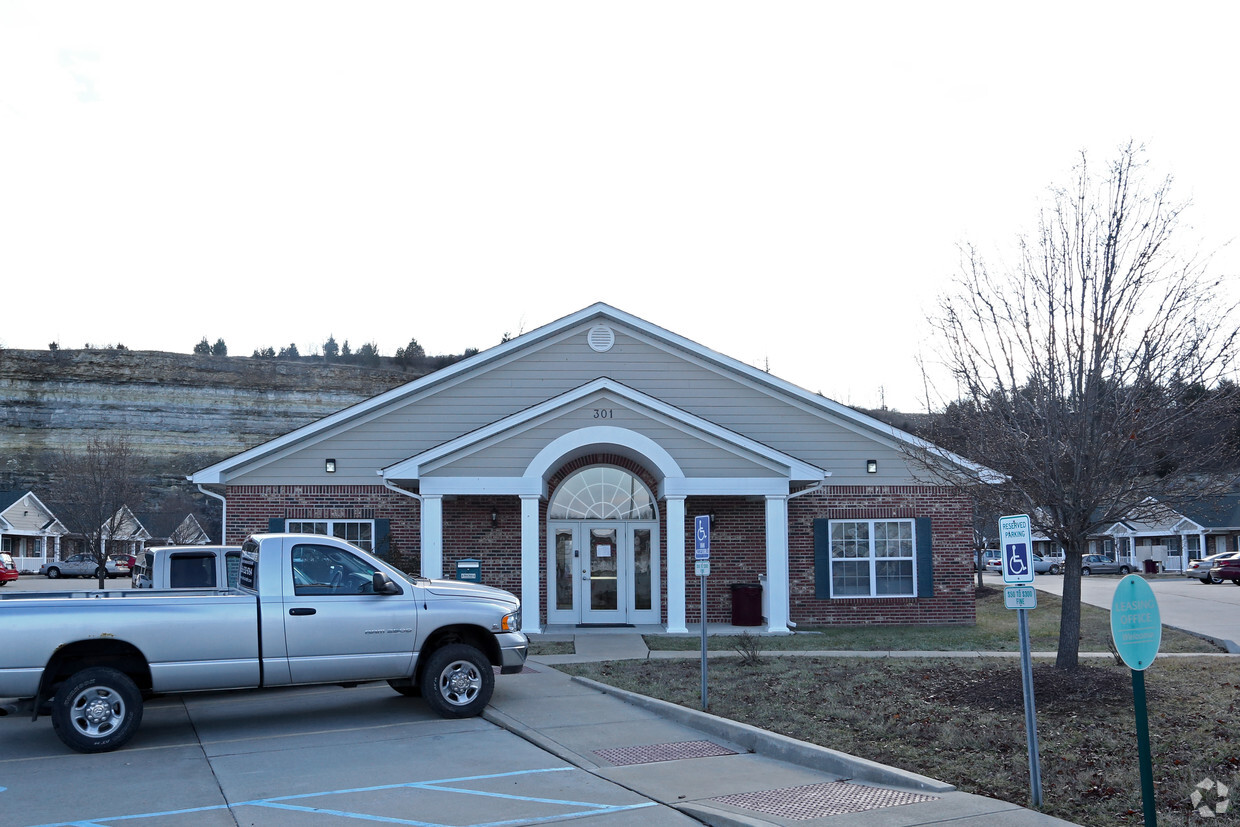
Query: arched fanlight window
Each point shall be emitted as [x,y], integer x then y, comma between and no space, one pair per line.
[602,493]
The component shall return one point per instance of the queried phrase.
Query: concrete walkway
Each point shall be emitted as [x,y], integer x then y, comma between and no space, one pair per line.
[718,771]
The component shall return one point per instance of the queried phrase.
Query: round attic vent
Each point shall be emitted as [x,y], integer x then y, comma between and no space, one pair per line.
[601,338]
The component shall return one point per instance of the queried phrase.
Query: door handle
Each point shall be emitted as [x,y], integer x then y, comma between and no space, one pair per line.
[296,612]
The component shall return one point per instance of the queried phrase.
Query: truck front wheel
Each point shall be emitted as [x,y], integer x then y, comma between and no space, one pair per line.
[97,710]
[457,681]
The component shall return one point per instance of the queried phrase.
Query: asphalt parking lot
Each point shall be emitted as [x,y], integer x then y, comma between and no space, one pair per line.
[273,757]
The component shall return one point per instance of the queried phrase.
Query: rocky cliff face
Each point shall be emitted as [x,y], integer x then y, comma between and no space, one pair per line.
[181,411]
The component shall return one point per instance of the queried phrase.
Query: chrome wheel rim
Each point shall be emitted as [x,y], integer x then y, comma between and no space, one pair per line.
[97,711]
[460,682]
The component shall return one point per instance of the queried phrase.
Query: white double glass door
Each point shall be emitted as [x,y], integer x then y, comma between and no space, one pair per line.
[602,572]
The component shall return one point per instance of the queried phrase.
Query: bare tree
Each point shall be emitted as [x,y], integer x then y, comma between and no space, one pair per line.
[1082,368]
[95,486]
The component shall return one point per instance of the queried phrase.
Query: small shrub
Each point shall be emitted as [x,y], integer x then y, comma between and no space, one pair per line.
[747,648]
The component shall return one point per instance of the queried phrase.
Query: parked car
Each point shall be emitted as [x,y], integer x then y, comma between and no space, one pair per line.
[1097,564]
[1201,568]
[993,561]
[8,571]
[1046,565]
[79,565]
[122,562]
[1227,568]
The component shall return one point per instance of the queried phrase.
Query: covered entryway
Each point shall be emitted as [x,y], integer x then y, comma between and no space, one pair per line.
[602,550]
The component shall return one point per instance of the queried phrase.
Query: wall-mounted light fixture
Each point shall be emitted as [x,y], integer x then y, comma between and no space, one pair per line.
[494,518]
[330,466]
[871,466]
[712,519]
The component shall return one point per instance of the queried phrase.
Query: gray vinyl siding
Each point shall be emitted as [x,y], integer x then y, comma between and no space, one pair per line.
[526,377]
[512,454]
[26,517]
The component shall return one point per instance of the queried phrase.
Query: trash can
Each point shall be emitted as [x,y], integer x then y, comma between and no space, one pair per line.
[1151,567]
[746,604]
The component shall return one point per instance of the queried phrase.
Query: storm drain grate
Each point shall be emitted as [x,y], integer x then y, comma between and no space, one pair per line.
[818,800]
[649,753]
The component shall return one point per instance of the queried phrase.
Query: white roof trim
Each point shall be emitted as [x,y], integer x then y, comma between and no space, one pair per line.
[411,468]
[218,473]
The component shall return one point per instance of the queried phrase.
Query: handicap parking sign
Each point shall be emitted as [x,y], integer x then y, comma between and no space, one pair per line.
[1016,543]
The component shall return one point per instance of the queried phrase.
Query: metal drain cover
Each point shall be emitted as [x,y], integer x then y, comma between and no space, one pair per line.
[819,800]
[649,753]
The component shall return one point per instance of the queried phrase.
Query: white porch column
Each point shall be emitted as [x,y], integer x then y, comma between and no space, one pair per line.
[777,563]
[432,535]
[676,564]
[531,571]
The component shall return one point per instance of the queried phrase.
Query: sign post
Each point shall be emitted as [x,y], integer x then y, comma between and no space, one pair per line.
[1016,542]
[701,557]
[1136,627]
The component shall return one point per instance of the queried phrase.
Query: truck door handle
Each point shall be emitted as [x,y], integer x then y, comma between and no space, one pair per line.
[301,611]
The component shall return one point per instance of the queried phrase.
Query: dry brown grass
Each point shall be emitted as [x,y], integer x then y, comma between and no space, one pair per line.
[961,720]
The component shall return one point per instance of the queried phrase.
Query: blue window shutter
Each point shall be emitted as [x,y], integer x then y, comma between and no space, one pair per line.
[925,559]
[383,538]
[822,560]
[275,525]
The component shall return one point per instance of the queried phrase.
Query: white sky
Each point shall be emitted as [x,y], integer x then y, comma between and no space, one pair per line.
[784,182]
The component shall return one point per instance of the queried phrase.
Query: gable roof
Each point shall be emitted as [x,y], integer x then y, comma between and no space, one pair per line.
[844,416]
[789,467]
[9,499]
[1218,513]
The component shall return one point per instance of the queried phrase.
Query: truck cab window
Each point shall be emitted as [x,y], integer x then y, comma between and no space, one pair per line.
[325,570]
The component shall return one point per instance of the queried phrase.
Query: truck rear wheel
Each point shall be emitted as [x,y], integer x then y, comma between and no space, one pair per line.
[97,710]
[457,681]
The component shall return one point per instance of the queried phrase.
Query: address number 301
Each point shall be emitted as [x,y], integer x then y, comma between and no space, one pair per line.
[604,413]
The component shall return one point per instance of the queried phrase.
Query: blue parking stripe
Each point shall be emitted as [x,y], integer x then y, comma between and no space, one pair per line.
[590,808]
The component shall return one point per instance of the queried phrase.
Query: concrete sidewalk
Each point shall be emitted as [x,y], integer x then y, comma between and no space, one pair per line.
[718,771]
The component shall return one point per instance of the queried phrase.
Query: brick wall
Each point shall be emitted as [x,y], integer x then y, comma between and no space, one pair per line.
[251,507]
[738,538]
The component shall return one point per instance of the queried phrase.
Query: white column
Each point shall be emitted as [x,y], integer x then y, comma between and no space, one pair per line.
[777,563]
[432,536]
[676,564]
[531,571]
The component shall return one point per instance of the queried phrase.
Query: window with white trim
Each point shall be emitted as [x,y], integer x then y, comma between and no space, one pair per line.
[873,558]
[360,533]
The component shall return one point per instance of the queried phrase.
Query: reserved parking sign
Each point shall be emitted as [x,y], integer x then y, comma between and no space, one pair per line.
[1016,543]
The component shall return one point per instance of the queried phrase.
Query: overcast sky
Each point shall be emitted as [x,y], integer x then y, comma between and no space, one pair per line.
[784,182]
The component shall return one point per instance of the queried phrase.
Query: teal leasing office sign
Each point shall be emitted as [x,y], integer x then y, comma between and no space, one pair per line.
[1136,625]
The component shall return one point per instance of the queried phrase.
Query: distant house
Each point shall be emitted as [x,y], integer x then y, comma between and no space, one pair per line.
[1173,536]
[170,529]
[29,531]
[125,534]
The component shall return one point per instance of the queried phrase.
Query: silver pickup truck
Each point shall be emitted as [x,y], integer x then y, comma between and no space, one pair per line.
[307,609]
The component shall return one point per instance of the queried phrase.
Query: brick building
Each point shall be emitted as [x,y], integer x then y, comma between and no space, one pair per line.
[572,461]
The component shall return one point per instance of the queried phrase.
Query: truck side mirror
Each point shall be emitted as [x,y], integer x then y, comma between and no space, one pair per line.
[383,584]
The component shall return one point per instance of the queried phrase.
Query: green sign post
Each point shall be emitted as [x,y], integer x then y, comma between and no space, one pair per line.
[1136,627]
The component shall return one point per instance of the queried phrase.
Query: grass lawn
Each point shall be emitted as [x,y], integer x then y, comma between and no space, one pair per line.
[995,631]
[962,720]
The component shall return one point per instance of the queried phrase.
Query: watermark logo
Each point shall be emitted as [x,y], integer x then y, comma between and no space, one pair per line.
[1210,798]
